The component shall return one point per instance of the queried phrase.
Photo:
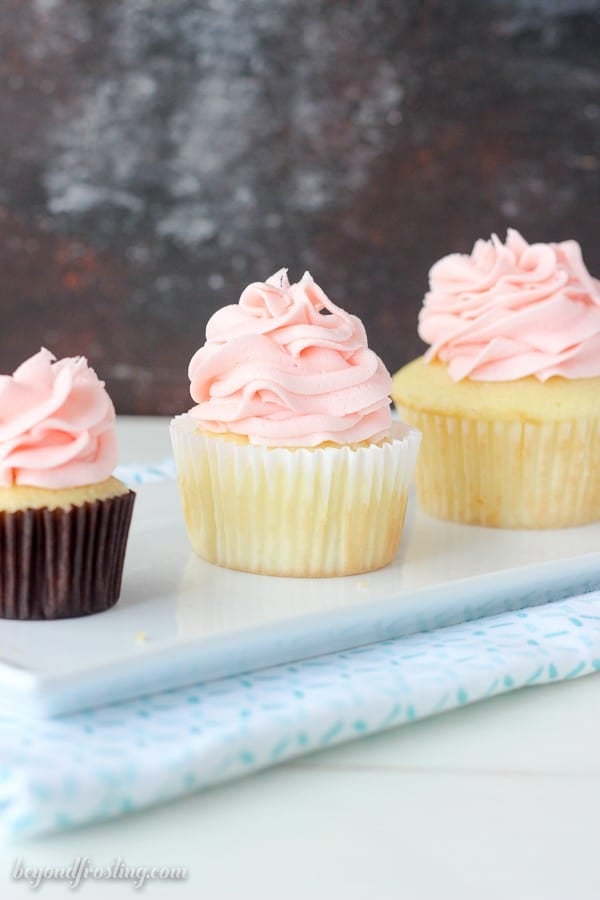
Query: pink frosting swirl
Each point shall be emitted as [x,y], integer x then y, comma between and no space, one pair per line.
[286,367]
[512,310]
[57,425]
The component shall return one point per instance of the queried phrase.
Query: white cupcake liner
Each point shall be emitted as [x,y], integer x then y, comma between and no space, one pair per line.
[301,512]
[508,474]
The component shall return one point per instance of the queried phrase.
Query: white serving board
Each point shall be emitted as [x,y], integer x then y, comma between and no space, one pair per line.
[181,620]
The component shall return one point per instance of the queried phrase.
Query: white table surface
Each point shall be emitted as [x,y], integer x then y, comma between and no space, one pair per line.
[498,800]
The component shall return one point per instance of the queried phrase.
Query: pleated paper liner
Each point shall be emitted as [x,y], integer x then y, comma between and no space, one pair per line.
[63,563]
[508,474]
[294,512]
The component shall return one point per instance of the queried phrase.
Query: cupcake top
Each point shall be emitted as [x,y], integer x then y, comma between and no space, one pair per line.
[286,367]
[512,310]
[57,425]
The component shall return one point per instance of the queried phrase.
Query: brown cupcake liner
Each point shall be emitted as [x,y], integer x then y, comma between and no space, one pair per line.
[63,563]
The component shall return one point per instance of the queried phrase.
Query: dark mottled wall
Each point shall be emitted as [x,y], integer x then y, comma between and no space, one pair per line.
[156,155]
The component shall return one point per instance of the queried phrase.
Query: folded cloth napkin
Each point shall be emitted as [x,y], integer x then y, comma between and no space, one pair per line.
[134,474]
[109,761]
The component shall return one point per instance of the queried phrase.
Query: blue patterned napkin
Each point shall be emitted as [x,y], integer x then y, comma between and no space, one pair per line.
[110,761]
[134,475]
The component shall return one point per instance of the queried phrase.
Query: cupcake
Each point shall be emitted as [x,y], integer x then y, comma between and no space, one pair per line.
[508,394]
[63,519]
[290,464]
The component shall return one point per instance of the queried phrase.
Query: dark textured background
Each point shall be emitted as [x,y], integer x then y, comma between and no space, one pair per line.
[157,156]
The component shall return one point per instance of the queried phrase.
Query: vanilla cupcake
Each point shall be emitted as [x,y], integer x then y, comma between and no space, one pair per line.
[64,520]
[289,463]
[508,395]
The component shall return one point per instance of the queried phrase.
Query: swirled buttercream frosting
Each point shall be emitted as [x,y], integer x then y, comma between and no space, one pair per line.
[511,310]
[57,424]
[286,367]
